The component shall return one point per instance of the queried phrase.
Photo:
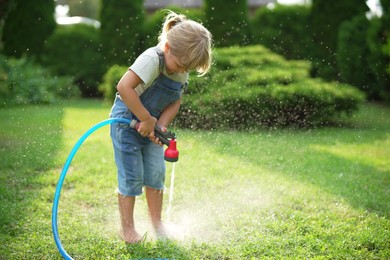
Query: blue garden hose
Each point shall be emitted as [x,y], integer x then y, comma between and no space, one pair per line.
[63,174]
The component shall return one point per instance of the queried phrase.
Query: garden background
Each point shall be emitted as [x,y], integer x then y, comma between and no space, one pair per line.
[284,144]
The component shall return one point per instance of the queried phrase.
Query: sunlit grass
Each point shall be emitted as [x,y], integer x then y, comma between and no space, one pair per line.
[372,155]
[267,193]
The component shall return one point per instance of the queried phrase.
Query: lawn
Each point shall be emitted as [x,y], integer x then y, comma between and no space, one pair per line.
[280,193]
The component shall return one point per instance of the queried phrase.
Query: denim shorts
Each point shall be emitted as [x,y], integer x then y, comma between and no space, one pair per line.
[139,161]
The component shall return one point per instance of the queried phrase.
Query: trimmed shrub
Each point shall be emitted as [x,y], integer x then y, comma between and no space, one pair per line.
[252,86]
[110,80]
[75,50]
[23,82]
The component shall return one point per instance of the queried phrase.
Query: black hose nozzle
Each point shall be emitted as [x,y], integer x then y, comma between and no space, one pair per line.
[164,137]
[168,138]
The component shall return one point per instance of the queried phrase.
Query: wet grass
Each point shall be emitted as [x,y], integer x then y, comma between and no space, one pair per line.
[314,193]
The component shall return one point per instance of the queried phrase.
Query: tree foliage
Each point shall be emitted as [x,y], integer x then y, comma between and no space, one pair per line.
[283,29]
[75,50]
[27,26]
[121,30]
[228,22]
[386,48]
[325,19]
[85,8]
[353,54]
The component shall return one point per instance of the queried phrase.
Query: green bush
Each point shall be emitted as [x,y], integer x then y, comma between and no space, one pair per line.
[251,86]
[23,82]
[110,80]
[75,50]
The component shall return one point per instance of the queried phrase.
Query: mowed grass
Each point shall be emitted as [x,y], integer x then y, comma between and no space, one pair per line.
[313,193]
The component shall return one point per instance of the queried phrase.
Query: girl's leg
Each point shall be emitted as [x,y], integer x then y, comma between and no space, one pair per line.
[128,159]
[155,200]
[154,177]
[126,211]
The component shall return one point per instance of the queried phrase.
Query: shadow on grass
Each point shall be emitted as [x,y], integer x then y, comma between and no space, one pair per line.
[30,139]
[339,160]
[364,187]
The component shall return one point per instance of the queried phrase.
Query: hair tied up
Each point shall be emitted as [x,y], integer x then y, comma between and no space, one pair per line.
[171,24]
[171,20]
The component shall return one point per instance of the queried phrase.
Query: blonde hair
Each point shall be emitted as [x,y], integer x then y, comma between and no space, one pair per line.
[189,41]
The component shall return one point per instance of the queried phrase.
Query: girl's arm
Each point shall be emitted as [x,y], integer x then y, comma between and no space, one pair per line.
[166,118]
[169,113]
[126,88]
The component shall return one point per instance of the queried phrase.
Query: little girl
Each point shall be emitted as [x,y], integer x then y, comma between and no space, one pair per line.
[150,92]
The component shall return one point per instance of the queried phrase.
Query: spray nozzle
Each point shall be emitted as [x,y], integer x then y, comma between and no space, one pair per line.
[171,154]
[164,137]
[168,138]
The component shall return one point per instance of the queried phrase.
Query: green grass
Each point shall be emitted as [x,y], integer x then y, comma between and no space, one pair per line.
[314,193]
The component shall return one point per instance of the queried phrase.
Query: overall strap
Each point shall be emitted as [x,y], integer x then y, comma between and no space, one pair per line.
[162,63]
[161,59]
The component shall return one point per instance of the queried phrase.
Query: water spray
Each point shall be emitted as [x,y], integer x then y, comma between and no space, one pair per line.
[171,155]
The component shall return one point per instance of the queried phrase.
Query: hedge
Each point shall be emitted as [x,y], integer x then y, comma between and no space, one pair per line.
[24,82]
[251,86]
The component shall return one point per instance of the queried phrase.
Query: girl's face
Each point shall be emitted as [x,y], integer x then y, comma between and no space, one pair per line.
[172,63]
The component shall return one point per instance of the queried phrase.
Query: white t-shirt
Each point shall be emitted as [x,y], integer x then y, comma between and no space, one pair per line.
[146,66]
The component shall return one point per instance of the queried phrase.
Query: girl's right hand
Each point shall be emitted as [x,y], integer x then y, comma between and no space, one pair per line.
[155,139]
[146,128]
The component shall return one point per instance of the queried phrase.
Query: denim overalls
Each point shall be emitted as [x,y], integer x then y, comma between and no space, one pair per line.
[140,162]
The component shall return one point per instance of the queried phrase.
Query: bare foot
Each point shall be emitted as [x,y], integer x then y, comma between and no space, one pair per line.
[162,233]
[132,237]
